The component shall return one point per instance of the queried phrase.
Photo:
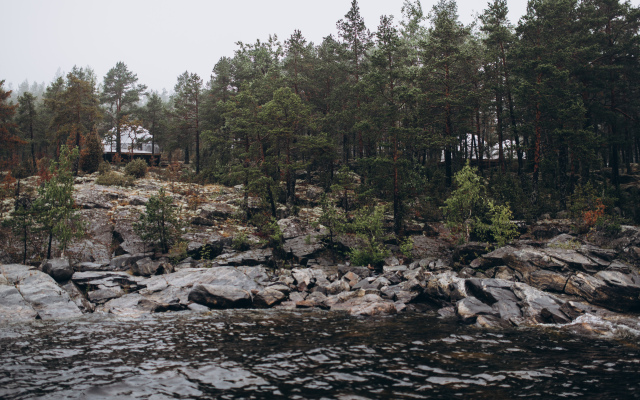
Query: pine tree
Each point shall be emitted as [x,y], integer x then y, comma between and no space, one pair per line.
[121,93]
[55,208]
[27,120]
[10,141]
[356,40]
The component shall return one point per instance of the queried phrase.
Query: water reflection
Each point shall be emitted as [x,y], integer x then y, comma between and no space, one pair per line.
[305,355]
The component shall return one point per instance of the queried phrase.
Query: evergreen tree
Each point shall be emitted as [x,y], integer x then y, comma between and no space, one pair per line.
[27,121]
[121,93]
[445,62]
[356,40]
[155,121]
[55,208]
[10,141]
[186,102]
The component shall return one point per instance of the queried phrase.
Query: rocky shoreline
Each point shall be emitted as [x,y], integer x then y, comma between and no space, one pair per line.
[548,276]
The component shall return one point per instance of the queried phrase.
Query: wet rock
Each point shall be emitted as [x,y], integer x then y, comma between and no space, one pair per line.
[538,306]
[78,297]
[315,299]
[220,296]
[445,287]
[610,289]
[369,305]
[491,291]
[491,322]
[125,306]
[48,299]
[59,269]
[547,280]
[268,297]
[508,311]
[13,307]
[469,308]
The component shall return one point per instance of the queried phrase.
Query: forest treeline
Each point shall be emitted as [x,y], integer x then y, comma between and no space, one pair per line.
[542,108]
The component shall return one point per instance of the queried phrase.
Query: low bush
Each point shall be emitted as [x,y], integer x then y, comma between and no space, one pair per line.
[113,178]
[136,168]
[240,242]
[104,168]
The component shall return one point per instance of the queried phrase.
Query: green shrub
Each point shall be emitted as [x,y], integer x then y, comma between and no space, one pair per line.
[406,247]
[104,167]
[367,224]
[500,229]
[159,224]
[470,209]
[240,242]
[113,178]
[136,168]
[467,202]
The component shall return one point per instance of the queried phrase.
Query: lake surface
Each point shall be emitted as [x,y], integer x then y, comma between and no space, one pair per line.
[251,354]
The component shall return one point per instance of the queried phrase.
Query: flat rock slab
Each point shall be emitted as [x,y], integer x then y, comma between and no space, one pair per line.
[246,258]
[33,292]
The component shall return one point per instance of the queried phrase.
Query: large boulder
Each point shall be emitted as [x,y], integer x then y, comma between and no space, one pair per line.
[220,296]
[58,268]
[610,289]
[148,267]
[268,297]
[468,309]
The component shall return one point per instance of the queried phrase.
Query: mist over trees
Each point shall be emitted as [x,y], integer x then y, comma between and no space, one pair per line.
[542,108]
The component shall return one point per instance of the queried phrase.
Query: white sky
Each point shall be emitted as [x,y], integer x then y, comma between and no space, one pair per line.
[160,39]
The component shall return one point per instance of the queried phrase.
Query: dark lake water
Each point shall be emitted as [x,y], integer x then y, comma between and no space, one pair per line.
[307,355]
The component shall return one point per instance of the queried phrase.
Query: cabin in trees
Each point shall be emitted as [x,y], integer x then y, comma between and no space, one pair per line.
[134,143]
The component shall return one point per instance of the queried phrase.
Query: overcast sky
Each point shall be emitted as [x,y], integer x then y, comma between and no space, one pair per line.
[160,39]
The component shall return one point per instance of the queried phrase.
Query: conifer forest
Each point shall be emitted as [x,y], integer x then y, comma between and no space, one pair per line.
[544,110]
